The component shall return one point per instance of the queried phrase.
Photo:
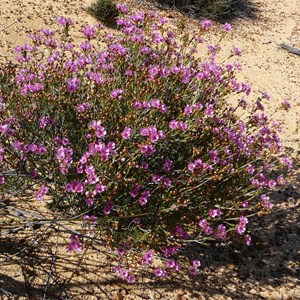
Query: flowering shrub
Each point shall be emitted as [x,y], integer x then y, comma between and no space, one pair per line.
[138,139]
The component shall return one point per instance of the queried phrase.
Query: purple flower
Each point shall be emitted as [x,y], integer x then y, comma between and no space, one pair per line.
[130,278]
[153,71]
[106,210]
[266,201]
[127,132]
[243,220]
[173,124]
[65,21]
[266,95]
[248,240]
[206,24]
[196,263]
[163,20]
[236,51]
[167,182]
[147,150]
[259,105]
[122,8]
[241,228]
[208,230]
[167,165]
[73,84]
[155,103]
[100,131]
[250,169]
[220,233]
[215,213]
[272,183]
[90,31]
[147,258]
[2,180]
[170,263]
[193,271]
[188,110]
[287,162]
[144,131]
[75,245]
[144,198]
[203,223]
[156,178]
[159,272]
[227,27]
[286,104]
[135,191]
[116,94]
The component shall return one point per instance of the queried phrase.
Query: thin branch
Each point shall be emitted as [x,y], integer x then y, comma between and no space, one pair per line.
[290,49]
[11,24]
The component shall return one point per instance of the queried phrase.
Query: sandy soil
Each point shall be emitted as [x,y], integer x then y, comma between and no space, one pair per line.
[33,262]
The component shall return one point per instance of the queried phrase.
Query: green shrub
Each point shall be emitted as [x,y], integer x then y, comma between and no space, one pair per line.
[104,10]
[213,9]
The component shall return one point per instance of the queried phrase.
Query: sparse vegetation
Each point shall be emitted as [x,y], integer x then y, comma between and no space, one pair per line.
[104,10]
[221,10]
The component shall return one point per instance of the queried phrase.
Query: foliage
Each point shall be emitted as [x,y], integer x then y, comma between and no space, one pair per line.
[214,9]
[103,10]
[138,140]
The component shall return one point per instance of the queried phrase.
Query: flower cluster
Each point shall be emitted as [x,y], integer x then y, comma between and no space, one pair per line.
[139,138]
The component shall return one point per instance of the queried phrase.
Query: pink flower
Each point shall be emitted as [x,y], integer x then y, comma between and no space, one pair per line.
[227,27]
[188,110]
[134,192]
[173,124]
[73,84]
[193,271]
[147,150]
[236,51]
[286,104]
[75,245]
[215,213]
[43,190]
[167,182]
[144,198]
[241,228]
[116,93]
[122,8]
[65,21]
[266,201]
[248,240]
[208,230]
[127,132]
[156,178]
[170,263]
[272,183]
[206,24]
[130,278]
[167,165]
[148,258]
[196,263]
[90,31]
[160,272]
[220,233]
[203,223]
